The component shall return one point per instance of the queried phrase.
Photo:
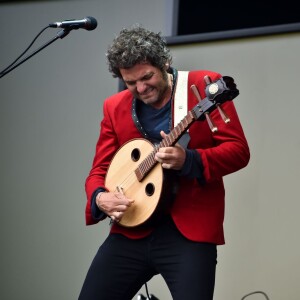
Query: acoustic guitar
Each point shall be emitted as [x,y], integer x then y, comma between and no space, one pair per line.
[134,171]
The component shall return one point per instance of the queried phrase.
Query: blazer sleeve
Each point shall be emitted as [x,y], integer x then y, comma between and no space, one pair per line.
[230,151]
[106,146]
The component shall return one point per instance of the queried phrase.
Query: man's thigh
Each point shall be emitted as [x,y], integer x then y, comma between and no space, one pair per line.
[188,267]
[118,270]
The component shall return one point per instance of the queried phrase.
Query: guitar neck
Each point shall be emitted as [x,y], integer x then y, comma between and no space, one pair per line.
[177,132]
[170,140]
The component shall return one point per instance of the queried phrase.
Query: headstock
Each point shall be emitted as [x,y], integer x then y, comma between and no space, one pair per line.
[217,92]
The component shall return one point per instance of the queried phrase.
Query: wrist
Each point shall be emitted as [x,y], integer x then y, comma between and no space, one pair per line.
[98,199]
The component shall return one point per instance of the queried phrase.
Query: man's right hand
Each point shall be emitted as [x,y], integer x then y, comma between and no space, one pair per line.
[113,204]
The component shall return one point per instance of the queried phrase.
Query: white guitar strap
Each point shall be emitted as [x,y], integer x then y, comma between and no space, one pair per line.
[181,103]
[180,97]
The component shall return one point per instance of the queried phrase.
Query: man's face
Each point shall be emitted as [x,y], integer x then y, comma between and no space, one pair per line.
[147,83]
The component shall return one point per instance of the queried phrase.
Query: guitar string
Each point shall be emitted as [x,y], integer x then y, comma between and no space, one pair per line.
[145,166]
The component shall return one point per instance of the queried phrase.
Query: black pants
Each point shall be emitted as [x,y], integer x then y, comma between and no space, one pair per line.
[122,266]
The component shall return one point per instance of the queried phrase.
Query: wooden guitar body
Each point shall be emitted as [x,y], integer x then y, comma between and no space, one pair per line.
[121,176]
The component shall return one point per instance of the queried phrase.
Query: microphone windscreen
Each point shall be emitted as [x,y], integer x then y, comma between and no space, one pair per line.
[91,23]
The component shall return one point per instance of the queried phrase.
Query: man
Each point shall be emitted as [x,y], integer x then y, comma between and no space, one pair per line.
[181,245]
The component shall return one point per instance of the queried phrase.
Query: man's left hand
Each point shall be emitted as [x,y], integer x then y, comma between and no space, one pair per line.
[171,157]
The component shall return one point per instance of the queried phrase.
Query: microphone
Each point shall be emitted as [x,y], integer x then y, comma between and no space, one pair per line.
[88,23]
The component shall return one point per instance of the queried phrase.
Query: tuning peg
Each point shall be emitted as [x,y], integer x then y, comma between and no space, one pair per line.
[223,114]
[210,122]
[196,92]
[207,80]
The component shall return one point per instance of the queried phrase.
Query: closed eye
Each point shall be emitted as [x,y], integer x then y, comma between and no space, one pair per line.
[144,78]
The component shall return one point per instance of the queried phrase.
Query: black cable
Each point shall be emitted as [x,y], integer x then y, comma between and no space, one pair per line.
[149,296]
[257,292]
[24,51]
[147,292]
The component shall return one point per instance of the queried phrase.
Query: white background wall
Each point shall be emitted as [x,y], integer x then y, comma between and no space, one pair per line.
[51,107]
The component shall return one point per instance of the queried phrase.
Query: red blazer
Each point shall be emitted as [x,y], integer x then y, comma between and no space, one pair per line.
[198,211]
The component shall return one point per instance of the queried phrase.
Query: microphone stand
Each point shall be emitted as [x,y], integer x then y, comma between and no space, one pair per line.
[61,34]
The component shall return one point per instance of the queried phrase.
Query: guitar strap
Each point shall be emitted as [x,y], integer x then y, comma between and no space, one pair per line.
[181,103]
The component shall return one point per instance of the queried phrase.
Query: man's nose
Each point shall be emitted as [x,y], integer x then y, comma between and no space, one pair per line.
[140,86]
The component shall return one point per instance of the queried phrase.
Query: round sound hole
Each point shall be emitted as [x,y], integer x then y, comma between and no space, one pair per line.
[149,189]
[135,154]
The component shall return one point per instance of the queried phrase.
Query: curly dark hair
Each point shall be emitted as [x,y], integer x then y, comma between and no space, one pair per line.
[137,45]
